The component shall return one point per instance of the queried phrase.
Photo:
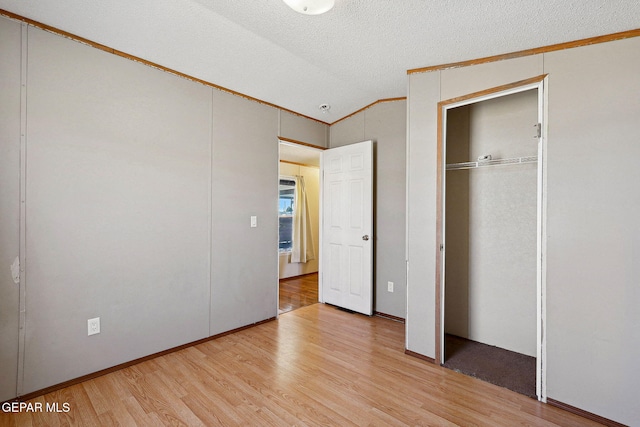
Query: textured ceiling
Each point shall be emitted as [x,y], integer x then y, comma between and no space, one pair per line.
[354,55]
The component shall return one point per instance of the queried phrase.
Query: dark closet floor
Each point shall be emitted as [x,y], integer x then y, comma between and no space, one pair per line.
[501,367]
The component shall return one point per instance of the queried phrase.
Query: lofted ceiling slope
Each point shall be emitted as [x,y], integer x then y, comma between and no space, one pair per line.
[354,55]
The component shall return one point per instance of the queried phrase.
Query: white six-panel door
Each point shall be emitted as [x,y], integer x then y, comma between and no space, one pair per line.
[347,227]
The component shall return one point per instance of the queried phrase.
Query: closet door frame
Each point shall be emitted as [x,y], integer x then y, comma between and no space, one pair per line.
[538,83]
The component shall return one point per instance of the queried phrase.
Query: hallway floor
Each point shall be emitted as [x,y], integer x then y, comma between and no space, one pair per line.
[298,292]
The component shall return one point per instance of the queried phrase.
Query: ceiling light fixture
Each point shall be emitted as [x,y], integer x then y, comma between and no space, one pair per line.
[310,7]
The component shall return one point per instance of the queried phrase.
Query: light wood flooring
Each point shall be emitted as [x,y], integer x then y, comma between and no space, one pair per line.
[298,292]
[313,366]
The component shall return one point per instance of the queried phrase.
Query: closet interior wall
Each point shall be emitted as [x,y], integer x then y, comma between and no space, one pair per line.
[490,225]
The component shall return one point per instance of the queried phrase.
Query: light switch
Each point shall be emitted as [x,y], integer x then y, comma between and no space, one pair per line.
[254,221]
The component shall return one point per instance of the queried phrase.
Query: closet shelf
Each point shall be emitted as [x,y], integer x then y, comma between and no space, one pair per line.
[494,162]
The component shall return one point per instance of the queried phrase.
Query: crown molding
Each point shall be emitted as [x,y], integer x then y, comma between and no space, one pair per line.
[528,52]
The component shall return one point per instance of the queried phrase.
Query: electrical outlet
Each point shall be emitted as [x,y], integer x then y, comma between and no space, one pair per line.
[390,286]
[93,326]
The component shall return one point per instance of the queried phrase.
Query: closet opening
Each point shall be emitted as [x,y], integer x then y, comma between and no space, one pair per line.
[490,217]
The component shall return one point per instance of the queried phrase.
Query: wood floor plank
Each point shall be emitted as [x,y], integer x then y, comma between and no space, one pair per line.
[316,365]
[85,411]
[297,292]
[208,406]
[34,419]
[135,411]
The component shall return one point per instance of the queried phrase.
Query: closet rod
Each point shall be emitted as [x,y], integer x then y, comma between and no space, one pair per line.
[496,162]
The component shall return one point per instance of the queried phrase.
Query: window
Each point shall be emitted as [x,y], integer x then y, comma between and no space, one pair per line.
[285,210]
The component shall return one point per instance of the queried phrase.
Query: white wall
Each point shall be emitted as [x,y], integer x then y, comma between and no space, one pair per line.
[311,177]
[140,187]
[491,226]
[592,210]
[385,124]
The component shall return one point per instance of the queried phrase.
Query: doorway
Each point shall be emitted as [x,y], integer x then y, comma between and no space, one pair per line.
[490,290]
[299,167]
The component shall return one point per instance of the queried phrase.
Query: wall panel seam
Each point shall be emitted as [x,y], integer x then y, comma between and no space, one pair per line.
[23,208]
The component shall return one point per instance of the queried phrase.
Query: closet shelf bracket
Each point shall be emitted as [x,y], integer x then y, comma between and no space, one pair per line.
[492,162]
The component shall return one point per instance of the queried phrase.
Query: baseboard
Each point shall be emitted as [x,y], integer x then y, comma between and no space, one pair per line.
[388,316]
[102,372]
[420,356]
[585,414]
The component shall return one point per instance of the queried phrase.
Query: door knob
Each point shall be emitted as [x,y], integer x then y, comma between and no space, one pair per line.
[365,237]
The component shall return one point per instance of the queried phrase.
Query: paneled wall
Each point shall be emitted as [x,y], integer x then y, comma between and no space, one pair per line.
[301,129]
[118,172]
[10,68]
[245,184]
[140,187]
[385,124]
[593,234]
[592,207]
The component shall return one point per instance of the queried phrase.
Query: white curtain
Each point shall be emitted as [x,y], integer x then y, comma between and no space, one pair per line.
[302,246]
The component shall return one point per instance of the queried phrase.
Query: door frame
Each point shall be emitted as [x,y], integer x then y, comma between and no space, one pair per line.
[538,83]
[304,145]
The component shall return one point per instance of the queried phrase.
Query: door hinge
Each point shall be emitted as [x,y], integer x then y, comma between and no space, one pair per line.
[538,127]
[441,247]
